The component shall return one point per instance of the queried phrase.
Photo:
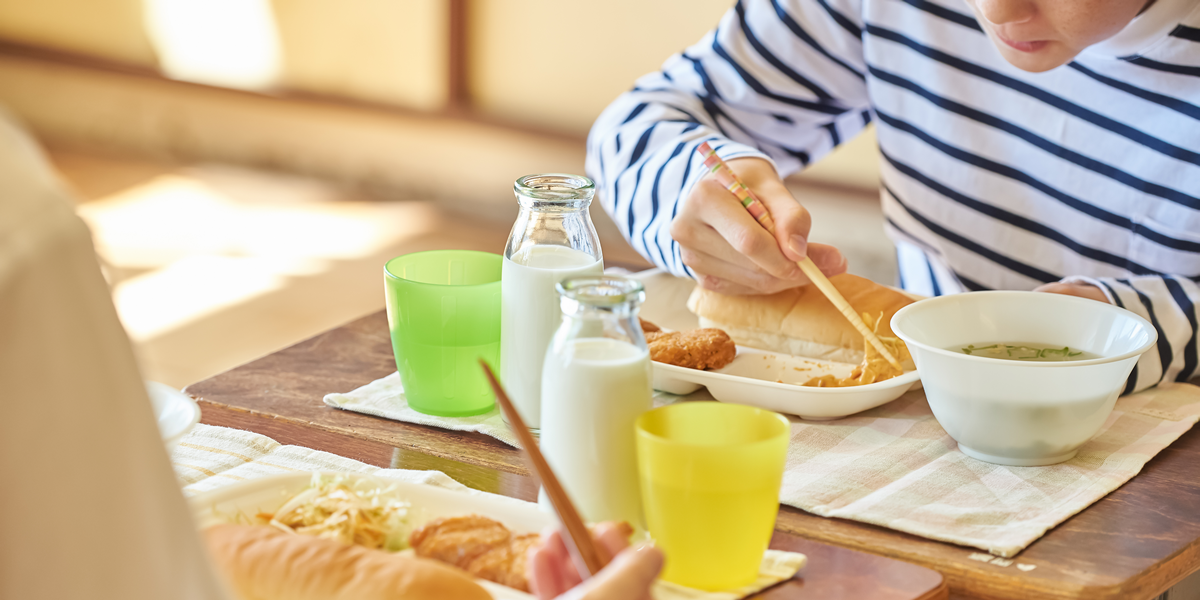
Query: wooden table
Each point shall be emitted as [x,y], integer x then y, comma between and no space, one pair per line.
[1134,543]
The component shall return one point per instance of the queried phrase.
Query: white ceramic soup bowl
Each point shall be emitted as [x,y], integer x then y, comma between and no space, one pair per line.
[1014,412]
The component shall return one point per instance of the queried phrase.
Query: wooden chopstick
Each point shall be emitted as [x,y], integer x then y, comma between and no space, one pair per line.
[758,210]
[822,282]
[588,557]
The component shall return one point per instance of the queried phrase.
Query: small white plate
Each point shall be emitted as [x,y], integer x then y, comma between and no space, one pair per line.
[426,504]
[773,381]
[174,410]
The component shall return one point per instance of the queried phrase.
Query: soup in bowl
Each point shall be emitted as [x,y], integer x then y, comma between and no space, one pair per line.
[1022,378]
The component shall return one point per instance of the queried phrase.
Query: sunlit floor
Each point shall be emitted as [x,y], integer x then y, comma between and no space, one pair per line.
[213,266]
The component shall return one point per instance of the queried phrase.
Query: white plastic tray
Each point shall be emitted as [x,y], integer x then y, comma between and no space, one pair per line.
[772,381]
[427,503]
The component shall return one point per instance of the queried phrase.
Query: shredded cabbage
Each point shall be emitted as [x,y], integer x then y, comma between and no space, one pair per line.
[349,510]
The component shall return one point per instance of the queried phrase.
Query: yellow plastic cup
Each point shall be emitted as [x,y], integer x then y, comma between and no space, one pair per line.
[710,475]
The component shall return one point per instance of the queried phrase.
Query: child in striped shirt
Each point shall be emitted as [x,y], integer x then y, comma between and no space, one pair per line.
[1027,144]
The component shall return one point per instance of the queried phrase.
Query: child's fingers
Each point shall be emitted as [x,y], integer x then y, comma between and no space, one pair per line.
[719,209]
[612,536]
[792,222]
[628,576]
[545,574]
[728,278]
[551,571]
[827,258]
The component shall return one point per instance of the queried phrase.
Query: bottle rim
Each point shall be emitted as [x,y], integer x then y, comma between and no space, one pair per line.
[602,290]
[555,188]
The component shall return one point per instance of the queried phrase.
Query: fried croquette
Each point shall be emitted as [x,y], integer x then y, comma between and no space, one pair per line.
[506,564]
[696,349]
[459,540]
[478,545]
[483,547]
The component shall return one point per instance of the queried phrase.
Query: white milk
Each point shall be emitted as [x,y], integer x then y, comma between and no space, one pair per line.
[529,315]
[593,390]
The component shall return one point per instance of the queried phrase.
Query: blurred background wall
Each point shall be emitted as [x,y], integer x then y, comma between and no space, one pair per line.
[108,29]
[547,66]
[247,165]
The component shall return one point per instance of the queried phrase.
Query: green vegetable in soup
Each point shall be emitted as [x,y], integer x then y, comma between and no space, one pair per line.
[1026,352]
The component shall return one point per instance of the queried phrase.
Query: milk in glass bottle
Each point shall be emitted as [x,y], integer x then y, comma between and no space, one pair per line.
[595,384]
[552,238]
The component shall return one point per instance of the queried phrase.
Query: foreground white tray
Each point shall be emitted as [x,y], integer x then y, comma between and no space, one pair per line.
[772,381]
[427,503]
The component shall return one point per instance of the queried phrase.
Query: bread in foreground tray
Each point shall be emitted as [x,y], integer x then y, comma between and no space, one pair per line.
[801,321]
[264,563]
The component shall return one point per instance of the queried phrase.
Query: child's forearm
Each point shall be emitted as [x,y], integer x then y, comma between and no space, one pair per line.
[753,87]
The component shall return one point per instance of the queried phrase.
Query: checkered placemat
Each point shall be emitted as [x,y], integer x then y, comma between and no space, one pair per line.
[895,466]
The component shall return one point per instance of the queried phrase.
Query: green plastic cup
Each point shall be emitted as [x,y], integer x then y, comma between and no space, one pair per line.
[443,310]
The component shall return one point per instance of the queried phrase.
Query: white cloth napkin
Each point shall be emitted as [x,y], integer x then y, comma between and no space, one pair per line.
[776,567]
[895,466]
[385,398]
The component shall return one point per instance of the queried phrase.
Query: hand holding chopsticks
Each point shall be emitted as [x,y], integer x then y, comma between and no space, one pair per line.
[588,556]
[758,210]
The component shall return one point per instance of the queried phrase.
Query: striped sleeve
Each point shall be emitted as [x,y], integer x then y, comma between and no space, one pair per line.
[780,80]
[1171,304]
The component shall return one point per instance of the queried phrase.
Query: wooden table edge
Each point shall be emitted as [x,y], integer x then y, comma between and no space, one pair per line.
[941,592]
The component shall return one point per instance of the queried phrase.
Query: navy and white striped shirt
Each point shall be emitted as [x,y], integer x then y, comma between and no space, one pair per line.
[993,178]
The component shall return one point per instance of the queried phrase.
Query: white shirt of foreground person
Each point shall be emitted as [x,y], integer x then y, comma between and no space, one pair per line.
[89,504]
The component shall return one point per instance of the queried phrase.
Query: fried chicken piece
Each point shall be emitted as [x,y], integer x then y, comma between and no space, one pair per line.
[459,540]
[506,564]
[647,326]
[696,349]
[483,547]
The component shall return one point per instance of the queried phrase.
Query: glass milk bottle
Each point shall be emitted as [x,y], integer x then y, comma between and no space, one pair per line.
[595,384]
[553,238]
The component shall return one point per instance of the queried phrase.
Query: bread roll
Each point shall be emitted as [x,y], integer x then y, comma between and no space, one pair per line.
[800,321]
[264,563]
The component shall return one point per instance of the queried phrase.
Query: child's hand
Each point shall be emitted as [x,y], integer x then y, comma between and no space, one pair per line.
[731,253]
[1081,290]
[627,577]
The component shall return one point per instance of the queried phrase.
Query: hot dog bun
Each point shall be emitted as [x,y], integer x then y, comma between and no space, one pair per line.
[801,321]
[264,563]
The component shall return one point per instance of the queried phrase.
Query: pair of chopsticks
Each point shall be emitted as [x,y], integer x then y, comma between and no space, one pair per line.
[587,556]
[758,210]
